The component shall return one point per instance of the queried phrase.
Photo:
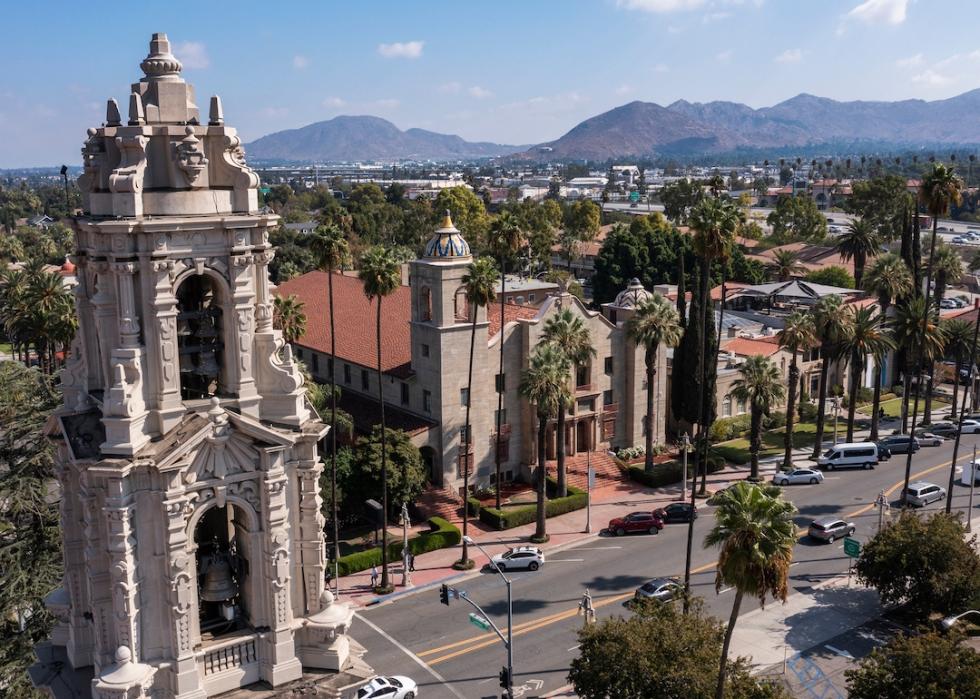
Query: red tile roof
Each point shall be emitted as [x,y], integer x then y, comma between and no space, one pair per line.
[355,321]
[511,313]
[747,347]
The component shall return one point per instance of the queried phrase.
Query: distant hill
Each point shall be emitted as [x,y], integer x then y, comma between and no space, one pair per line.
[357,138]
[685,128]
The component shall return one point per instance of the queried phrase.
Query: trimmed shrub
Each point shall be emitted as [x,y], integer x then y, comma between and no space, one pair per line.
[442,534]
[726,428]
[473,505]
[672,471]
[899,390]
[775,420]
[807,412]
[865,395]
[510,517]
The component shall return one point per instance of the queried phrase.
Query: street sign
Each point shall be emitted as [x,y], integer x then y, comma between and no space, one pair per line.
[634,196]
[479,622]
[852,547]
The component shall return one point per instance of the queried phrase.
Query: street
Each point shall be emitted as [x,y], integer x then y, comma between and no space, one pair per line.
[435,645]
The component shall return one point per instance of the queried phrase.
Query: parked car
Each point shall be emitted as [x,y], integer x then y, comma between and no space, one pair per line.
[636,522]
[660,589]
[943,429]
[900,443]
[948,303]
[395,687]
[677,512]
[849,455]
[928,439]
[884,453]
[520,557]
[921,493]
[830,529]
[971,471]
[971,426]
[961,240]
[796,476]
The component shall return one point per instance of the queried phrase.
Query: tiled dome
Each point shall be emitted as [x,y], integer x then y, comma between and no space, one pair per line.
[447,242]
[633,295]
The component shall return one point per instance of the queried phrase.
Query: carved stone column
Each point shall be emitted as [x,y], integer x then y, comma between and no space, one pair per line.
[309,546]
[165,394]
[121,545]
[242,275]
[263,304]
[80,640]
[99,603]
[129,324]
[107,329]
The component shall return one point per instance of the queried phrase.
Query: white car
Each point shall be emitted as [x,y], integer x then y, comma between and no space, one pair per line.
[971,426]
[396,687]
[520,558]
[928,439]
[799,475]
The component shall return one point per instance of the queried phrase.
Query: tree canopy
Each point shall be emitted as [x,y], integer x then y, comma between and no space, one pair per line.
[797,218]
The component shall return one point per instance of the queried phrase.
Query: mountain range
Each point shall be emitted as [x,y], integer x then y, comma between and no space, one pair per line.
[646,129]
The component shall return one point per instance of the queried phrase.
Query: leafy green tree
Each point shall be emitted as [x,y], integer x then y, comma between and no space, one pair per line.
[882,201]
[653,324]
[925,666]
[288,316]
[958,335]
[582,222]
[293,256]
[947,267]
[798,333]
[830,323]
[754,529]
[679,198]
[866,336]
[468,211]
[544,384]
[30,533]
[797,218]
[649,249]
[831,276]
[671,656]
[859,242]
[380,273]
[926,563]
[760,385]
[401,471]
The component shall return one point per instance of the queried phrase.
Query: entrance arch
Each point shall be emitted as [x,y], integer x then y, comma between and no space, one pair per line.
[433,467]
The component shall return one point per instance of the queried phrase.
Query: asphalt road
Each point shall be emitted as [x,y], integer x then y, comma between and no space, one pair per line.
[437,646]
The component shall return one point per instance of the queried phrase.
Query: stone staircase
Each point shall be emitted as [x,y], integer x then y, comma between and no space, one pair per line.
[440,502]
[607,471]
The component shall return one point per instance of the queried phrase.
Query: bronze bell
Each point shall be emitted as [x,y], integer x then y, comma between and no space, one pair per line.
[186,363]
[207,366]
[219,585]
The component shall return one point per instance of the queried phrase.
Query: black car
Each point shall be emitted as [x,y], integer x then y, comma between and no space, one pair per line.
[898,444]
[677,512]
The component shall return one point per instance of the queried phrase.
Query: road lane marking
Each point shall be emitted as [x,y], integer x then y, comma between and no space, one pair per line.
[842,653]
[575,647]
[727,589]
[412,655]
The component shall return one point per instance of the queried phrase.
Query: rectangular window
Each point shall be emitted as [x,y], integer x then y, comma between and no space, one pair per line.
[405,394]
[463,438]
[347,373]
[316,363]
[299,352]
[365,379]
[530,298]
[425,350]
[586,406]
[500,381]
[726,407]
[464,397]
[582,376]
[464,462]
[502,414]
[608,366]
[503,451]
[427,400]
[607,397]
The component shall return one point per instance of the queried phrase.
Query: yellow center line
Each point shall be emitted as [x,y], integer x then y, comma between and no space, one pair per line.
[475,643]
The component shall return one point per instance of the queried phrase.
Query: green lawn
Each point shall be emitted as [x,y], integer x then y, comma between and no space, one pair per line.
[893,407]
[737,450]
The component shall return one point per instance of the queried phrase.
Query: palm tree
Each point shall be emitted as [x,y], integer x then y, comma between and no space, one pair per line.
[889,279]
[785,265]
[760,385]
[288,316]
[332,253]
[545,385]
[798,333]
[654,323]
[755,530]
[569,335]
[959,344]
[479,283]
[380,273]
[859,242]
[947,267]
[505,240]
[866,336]
[830,323]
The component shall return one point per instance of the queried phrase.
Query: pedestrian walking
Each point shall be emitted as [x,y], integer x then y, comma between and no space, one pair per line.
[374,576]
[411,562]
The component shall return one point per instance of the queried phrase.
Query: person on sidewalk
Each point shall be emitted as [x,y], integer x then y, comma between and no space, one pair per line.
[411,562]
[374,576]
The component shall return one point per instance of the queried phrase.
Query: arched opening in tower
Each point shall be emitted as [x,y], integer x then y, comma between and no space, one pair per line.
[200,340]
[222,541]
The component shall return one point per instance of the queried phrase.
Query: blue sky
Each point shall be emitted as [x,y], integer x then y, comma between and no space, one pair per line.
[520,71]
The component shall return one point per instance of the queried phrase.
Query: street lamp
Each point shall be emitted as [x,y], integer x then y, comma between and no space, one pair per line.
[836,406]
[64,175]
[685,447]
[510,615]
[950,621]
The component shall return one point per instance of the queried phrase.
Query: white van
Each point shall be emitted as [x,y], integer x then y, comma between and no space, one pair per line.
[849,455]
[971,469]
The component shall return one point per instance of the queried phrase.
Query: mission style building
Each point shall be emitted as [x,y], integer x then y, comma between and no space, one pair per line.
[185,450]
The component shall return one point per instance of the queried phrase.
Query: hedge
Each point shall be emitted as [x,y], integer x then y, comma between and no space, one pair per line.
[670,472]
[442,534]
[726,428]
[511,517]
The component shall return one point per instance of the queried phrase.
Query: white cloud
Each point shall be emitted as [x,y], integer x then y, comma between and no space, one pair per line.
[661,68]
[192,54]
[724,56]
[450,88]
[624,89]
[661,5]
[910,62]
[401,49]
[789,56]
[479,93]
[932,78]
[300,62]
[388,103]
[880,11]
[335,102]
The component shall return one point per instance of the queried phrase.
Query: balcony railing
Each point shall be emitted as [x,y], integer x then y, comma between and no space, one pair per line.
[229,663]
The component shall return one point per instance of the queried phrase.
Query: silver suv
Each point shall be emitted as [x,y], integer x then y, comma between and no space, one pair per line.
[830,529]
[921,493]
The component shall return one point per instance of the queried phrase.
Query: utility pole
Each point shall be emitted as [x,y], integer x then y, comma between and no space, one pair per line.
[973,480]
[685,447]
[406,522]
[589,478]
[882,504]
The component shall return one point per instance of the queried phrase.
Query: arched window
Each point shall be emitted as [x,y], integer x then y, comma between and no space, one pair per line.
[222,550]
[461,306]
[425,303]
[200,344]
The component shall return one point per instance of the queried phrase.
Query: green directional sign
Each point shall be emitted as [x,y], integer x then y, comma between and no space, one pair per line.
[852,547]
[634,196]
[479,622]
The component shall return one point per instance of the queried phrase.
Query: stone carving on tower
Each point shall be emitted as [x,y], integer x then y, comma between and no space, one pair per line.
[187,454]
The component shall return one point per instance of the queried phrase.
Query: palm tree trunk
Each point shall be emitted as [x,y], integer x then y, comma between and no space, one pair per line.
[879,376]
[906,389]
[852,391]
[858,269]
[385,584]
[927,411]
[705,398]
[540,530]
[723,669]
[465,560]
[755,443]
[500,393]
[956,381]
[822,401]
[334,519]
[794,378]
[959,423]
[648,418]
[560,450]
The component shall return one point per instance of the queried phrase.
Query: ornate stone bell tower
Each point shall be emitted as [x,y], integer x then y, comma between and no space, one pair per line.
[194,552]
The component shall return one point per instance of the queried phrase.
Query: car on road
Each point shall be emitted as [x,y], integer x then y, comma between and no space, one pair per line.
[971,426]
[921,493]
[394,687]
[797,476]
[660,589]
[928,439]
[948,303]
[677,512]
[944,428]
[849,455]
[635,522]
[830,529]
[520,558]
[899,444]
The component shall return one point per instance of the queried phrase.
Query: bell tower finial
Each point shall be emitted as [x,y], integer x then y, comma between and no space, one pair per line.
[160,64]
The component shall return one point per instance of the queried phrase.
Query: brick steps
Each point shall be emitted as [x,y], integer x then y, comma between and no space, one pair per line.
[606,469]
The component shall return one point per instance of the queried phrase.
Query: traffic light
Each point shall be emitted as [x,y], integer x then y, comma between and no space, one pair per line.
[504,678]
[444,595]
